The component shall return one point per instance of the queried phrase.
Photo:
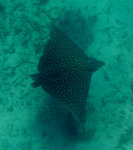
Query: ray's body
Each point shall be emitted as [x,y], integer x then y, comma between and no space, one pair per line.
[65,72]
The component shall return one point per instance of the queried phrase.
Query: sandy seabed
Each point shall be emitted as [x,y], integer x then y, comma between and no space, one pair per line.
[29,118]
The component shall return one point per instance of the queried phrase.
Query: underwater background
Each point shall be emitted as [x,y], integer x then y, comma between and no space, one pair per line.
[29,118]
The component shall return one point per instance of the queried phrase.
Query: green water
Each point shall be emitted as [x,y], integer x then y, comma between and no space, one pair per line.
[29,118]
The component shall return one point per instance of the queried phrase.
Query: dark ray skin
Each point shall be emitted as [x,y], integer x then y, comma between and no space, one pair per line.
[65,72]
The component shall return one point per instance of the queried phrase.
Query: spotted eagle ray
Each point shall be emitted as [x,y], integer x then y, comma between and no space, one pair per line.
[65,72]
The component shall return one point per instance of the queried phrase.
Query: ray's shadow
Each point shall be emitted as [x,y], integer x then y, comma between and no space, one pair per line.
[78,28]
[57,126]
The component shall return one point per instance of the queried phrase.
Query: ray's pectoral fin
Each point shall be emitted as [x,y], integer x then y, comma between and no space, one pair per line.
[94,64]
